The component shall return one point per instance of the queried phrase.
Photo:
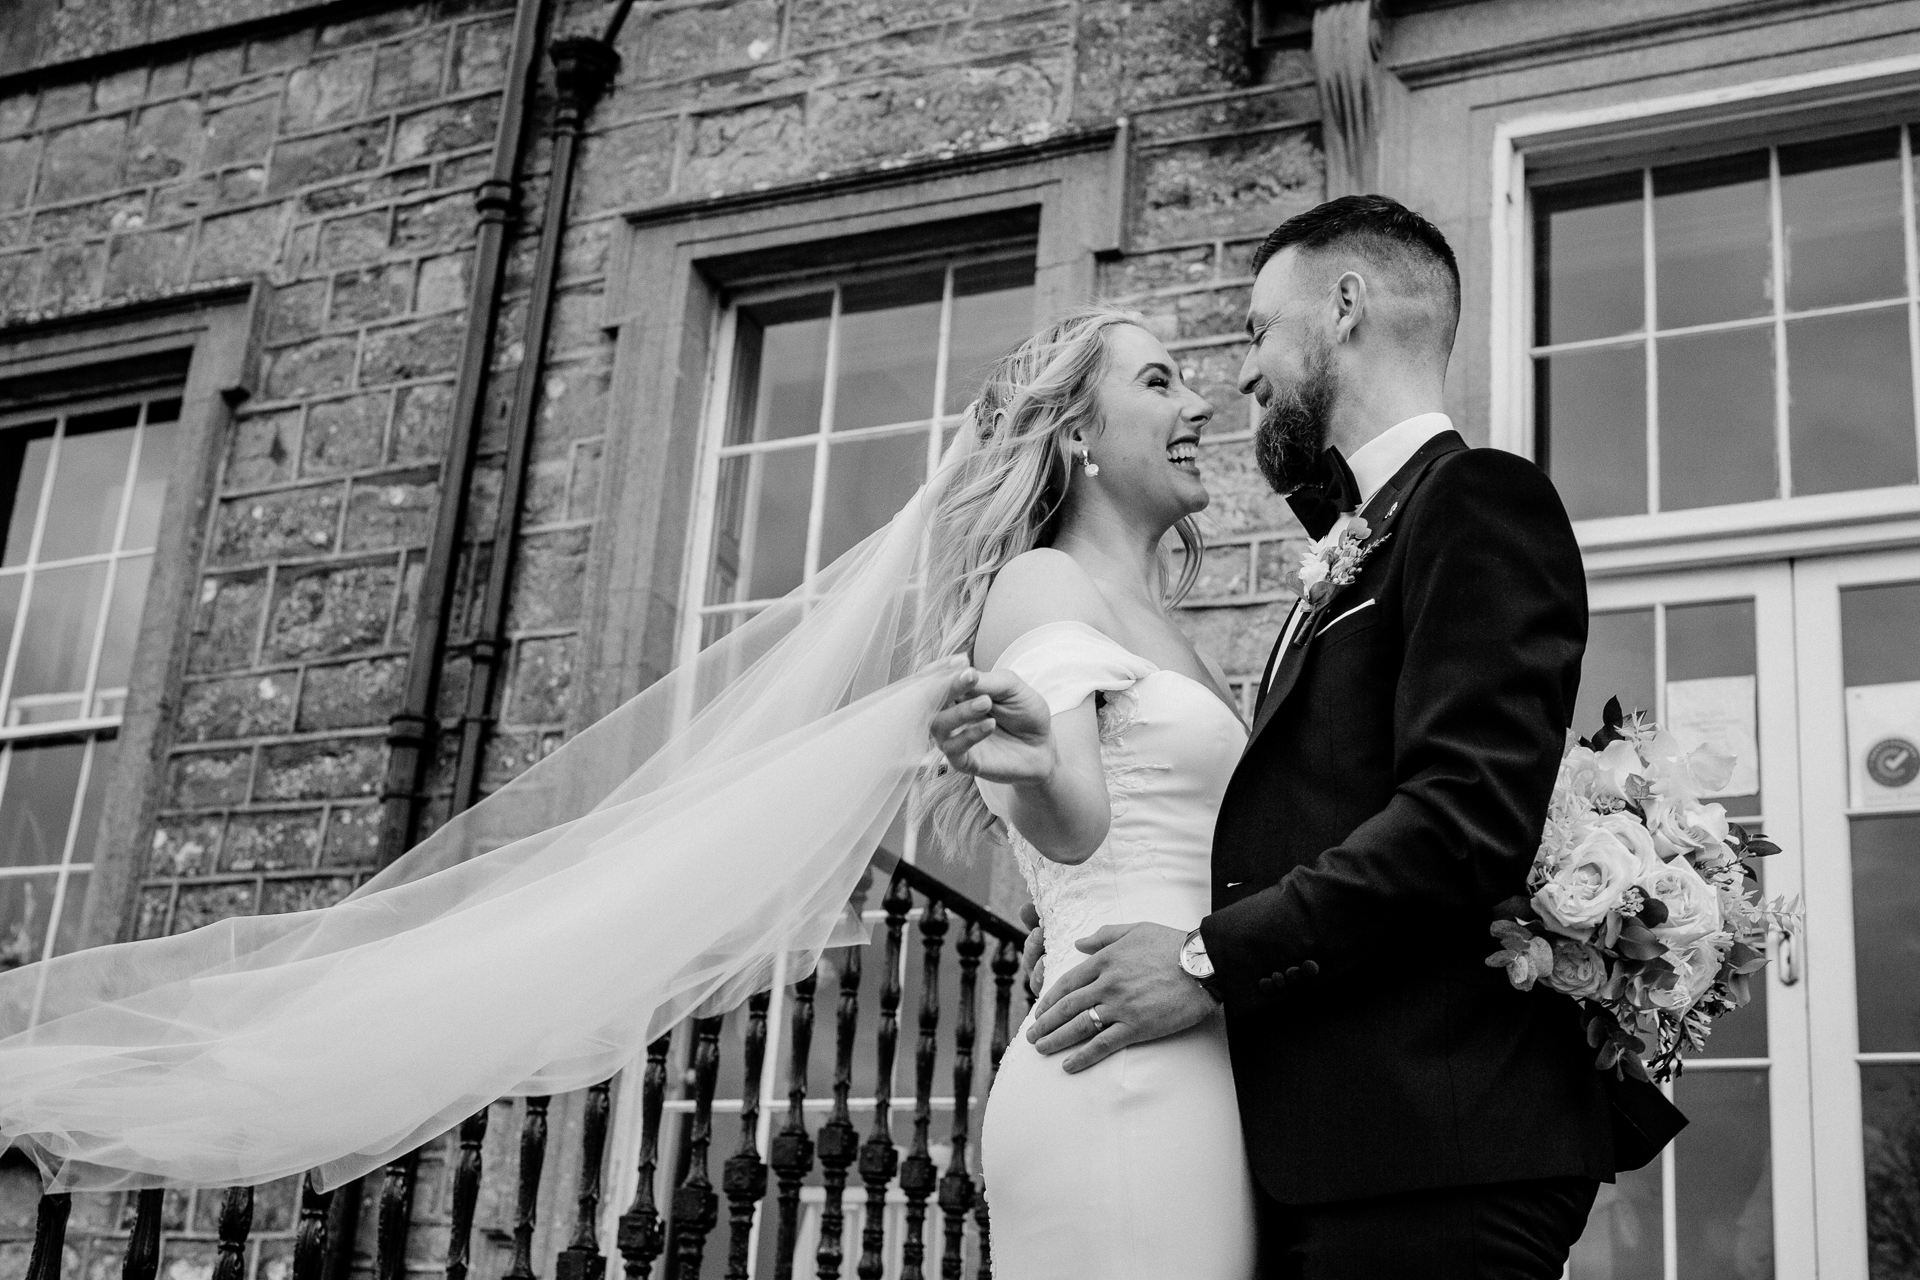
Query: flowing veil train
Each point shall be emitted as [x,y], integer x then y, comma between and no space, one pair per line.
[660,860]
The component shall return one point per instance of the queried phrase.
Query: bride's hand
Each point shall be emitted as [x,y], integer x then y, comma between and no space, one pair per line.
[996,728]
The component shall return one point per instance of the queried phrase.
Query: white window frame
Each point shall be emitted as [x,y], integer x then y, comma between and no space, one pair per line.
[719,410]
[1861,94]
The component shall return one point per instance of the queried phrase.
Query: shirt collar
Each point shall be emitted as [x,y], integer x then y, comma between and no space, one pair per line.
[1380,459]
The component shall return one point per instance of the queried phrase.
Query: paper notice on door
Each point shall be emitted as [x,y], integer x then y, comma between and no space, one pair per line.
[1883,745]
[1721,711]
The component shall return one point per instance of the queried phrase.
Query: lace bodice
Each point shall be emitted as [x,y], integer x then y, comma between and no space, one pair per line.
[1167,746]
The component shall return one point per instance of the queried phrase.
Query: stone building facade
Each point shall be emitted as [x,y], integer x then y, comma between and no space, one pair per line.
[324,237]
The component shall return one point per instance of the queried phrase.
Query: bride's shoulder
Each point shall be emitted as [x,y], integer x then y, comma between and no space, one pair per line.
[1031,590]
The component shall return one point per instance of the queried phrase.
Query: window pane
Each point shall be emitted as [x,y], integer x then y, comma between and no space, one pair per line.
[157,443]
[1716,419]
[25,903]
[34,810]
[99,774]
[1619,664]
[1850,402]
[1886,938]
[57,640]
[68,936]
[23,469]
[1877,626]
[888,344]
[1622,1240]
[88,480]
[784,368]
[1591,411]
[762,520]
[1712,241]
[1890,1110]
[1588,243]
[1840,204]
[867,482]
[123,624]
[1715,642]
[992,311]
[1723,1177]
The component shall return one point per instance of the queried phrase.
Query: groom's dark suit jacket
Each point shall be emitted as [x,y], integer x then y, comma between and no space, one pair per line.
[1392,793]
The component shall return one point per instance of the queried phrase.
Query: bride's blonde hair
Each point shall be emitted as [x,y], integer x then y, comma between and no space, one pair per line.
[1004,497]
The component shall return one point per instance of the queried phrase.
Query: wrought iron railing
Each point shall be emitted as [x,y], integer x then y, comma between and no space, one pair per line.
[673,1230]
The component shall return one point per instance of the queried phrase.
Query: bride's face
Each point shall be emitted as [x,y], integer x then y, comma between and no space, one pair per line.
[1147,447]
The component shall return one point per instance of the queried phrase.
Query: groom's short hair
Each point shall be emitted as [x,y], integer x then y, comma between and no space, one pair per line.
[1381,230]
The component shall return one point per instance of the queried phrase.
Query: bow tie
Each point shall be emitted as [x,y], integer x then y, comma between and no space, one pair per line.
[1329,493]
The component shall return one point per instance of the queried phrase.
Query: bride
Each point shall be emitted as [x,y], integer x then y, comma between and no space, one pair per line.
[668,859]
[1048,567]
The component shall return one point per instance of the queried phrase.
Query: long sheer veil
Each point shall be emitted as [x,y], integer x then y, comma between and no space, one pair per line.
[662,859]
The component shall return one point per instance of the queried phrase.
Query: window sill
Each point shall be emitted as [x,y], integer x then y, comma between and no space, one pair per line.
[1863,520]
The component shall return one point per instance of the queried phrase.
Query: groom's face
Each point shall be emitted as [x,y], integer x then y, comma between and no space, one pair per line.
[1289,371]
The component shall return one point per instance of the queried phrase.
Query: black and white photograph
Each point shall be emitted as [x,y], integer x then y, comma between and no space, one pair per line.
[981,639]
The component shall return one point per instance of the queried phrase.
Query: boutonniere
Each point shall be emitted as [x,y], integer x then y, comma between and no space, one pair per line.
[1330,564]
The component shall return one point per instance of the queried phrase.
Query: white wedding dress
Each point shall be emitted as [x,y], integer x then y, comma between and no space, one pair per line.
[1135,1168]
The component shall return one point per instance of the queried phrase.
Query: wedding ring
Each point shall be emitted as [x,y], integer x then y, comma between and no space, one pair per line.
[1097,1024]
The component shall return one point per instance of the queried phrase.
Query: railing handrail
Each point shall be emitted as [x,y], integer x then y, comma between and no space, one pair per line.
[931,886]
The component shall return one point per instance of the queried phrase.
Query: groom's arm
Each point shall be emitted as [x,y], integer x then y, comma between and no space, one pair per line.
[1494,611]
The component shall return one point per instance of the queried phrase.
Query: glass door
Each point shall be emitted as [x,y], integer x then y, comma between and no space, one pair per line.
[1711,655]
[1858,636]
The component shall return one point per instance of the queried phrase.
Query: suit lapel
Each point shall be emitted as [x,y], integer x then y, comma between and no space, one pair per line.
[1290,659]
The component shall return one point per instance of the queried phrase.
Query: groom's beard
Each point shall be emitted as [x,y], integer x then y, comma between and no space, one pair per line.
[1293,427]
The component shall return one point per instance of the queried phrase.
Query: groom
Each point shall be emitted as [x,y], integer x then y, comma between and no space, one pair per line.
[1406,1111]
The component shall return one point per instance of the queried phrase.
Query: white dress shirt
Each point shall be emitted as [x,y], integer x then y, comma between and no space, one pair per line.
[1380,459]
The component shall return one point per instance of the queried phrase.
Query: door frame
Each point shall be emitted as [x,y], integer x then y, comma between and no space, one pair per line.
[1796,1220]
[1839,1151]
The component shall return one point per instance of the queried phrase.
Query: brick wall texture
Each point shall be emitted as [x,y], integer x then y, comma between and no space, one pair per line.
[337,161]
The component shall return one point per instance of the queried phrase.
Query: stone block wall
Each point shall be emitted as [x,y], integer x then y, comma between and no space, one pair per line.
[336,160]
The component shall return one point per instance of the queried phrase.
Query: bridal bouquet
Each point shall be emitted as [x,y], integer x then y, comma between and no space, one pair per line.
[1643,905]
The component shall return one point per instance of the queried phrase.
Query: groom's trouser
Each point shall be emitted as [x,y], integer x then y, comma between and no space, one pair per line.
[1502,1231]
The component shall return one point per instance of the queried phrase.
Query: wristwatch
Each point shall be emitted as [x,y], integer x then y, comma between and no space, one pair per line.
[1198,965]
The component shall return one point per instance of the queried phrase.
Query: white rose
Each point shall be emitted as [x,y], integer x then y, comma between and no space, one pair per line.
[1313,571]
[1613,766]
[1604,861]
[1693,905]
[1682,828]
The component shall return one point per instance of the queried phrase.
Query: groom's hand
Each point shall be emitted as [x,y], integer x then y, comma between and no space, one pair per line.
[1132,977]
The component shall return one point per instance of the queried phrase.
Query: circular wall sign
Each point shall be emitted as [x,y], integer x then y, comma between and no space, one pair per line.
[1893,762]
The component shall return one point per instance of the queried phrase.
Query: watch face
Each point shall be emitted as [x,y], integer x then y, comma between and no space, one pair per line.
[1194,958]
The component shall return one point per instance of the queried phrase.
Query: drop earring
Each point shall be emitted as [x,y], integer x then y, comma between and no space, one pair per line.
[1087,463]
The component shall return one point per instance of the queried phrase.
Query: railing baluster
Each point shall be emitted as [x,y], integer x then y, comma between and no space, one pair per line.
[956,1189]
[143,1242]
[49,1236]
[533,1157]
[839,1140]
[236,1219]
[641,1239]
[310,1236]
[466,1194]
[396,1215]
[879,1158]
[918,1174]
[792,1149]
[696,1210]
[744,1176]
[582,1259]
[1006,963]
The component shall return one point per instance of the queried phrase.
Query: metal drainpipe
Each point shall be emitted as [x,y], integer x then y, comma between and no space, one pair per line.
[408,728]
[583,67]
